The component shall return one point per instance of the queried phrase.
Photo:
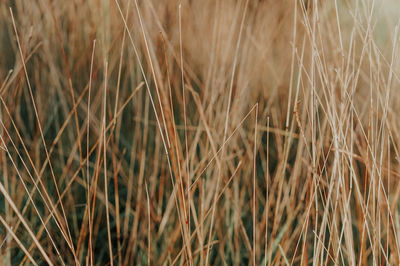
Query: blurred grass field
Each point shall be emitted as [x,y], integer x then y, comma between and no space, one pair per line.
[248,132]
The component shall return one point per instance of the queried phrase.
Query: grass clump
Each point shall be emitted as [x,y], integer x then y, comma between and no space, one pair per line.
[199,132]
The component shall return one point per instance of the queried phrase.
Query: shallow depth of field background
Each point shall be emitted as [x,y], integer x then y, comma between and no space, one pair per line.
[199,132]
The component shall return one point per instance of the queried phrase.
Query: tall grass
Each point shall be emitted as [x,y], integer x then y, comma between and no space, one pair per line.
[199,132]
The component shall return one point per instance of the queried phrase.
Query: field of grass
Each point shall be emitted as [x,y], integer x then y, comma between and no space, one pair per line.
[188,132]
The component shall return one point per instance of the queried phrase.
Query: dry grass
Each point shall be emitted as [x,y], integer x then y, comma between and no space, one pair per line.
[199,132]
